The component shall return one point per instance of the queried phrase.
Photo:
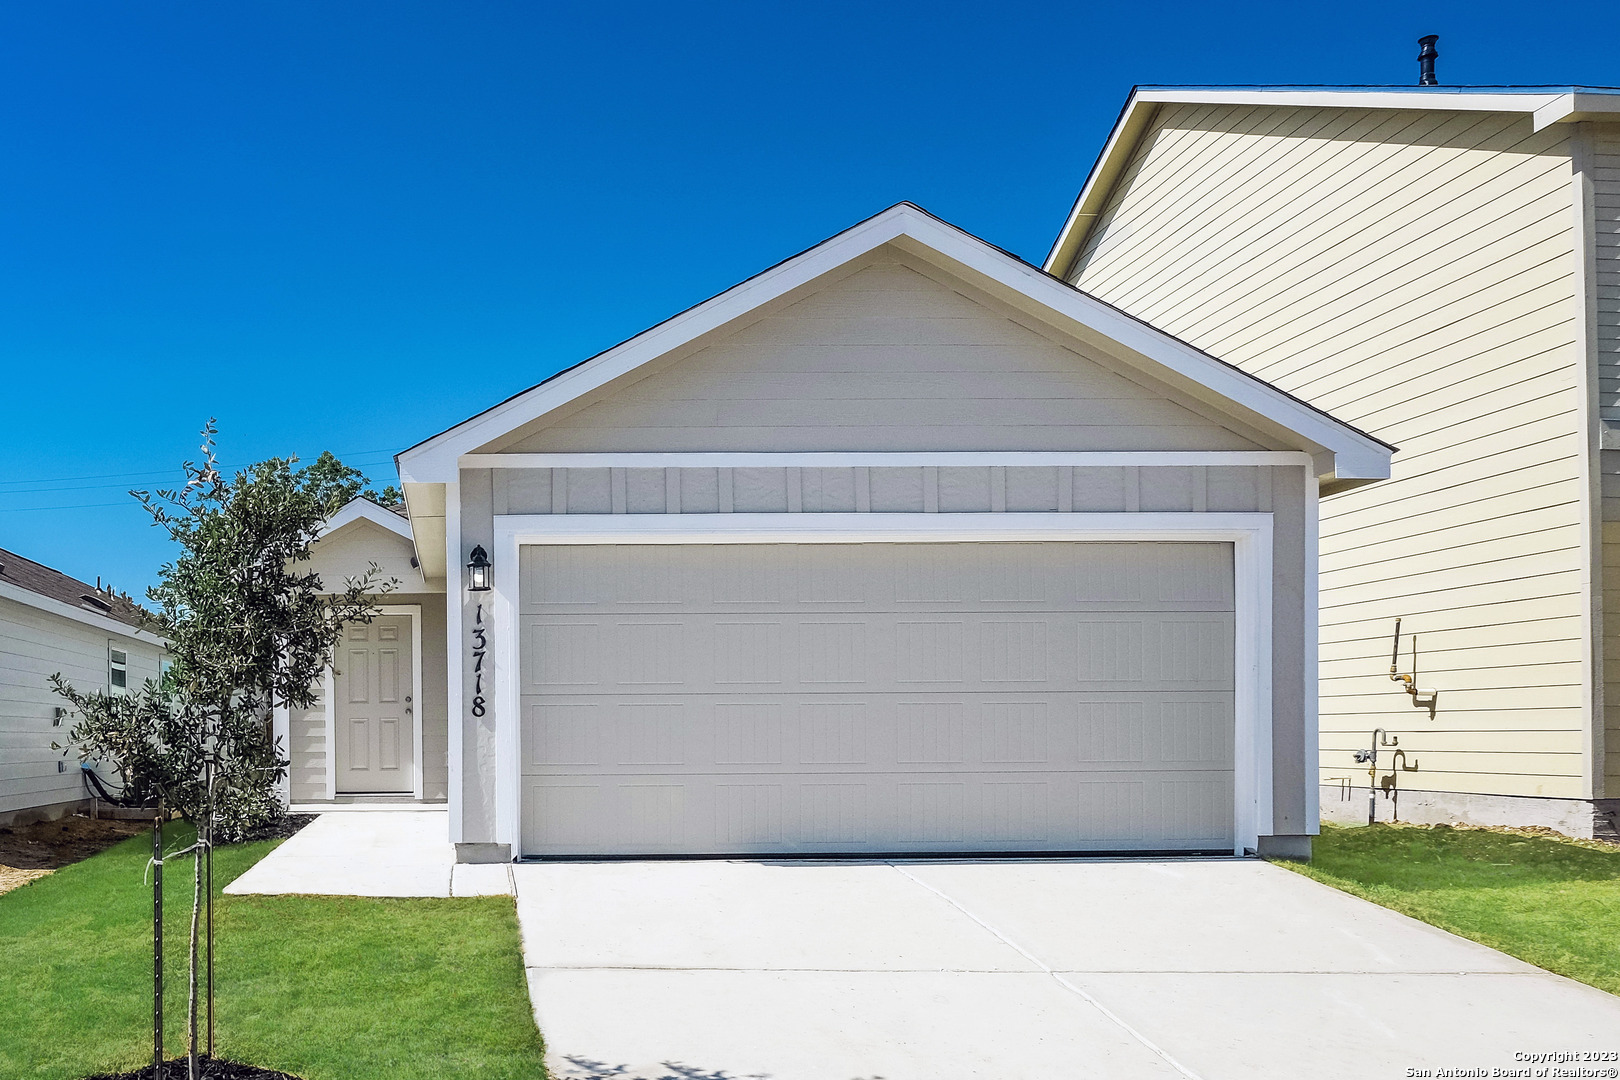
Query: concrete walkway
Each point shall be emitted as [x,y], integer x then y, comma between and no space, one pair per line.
[1028,970]
[372,853]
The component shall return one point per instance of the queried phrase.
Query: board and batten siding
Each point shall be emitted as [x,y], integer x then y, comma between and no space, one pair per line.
[34,645]
[1413,273]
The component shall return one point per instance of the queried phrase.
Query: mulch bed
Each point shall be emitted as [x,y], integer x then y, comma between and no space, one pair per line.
[208,1068]
[51,845]
[280,829]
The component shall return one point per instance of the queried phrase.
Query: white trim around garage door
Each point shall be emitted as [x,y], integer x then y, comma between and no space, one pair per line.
[1250,535]
[417,787]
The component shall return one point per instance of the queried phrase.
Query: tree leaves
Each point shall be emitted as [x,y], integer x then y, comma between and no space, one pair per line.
[250,628]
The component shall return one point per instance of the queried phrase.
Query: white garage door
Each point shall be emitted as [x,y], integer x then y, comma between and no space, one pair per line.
[868,698]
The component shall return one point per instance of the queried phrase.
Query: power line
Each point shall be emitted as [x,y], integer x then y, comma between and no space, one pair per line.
[78,506]
[157,474]
[104,487]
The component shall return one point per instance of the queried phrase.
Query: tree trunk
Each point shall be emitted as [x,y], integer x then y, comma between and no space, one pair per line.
[196,908]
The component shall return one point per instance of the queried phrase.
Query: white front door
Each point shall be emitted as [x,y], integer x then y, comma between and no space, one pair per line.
[374,749]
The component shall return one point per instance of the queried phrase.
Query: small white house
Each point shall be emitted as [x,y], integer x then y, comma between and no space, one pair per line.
[902,545]
[52,623]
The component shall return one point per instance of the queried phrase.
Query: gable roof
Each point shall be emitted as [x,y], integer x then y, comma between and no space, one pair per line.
[1545,105]
[40,586]
[360,508]
[1352,454]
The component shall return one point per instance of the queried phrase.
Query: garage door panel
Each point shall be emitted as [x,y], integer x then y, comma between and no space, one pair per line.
[820,814]
[876,698]
[559,579]
[883,734]
[880,651]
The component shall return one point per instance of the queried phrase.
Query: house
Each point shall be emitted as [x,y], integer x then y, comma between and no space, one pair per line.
[901,545]
[1440,267]
[52,623]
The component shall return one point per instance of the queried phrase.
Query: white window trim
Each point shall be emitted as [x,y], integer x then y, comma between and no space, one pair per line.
[113,689]
[1250,535]
[417,786]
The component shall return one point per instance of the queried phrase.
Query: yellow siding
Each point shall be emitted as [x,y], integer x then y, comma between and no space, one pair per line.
[1414,274]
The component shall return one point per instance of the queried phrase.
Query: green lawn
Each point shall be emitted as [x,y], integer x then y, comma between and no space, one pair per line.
[1553,902]
[326,988]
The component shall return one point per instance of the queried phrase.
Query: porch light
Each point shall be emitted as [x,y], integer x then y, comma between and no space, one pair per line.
[478,570]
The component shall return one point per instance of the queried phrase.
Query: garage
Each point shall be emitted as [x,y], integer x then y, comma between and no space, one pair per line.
[898,547]
[872,698]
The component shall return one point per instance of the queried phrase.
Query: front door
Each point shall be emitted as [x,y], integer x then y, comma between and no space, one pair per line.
[375,747]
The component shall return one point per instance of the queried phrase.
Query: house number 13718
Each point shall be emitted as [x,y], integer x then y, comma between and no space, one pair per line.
[480,644]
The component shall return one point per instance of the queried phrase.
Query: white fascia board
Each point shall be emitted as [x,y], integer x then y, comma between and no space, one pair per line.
[1099,182]
[1427,97]
[1576,105]
[53,606]
[439,459]
[365,510]
[1545,107]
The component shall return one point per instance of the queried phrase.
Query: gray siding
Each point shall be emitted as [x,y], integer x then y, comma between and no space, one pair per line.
[306,752]
[1605,169]
[1604,165]
[888,358]
[34,645]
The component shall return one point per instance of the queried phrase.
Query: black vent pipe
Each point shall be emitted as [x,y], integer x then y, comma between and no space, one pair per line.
[1427,54]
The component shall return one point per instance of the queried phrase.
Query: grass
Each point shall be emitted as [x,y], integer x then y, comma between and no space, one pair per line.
[326,988]
[1551,901]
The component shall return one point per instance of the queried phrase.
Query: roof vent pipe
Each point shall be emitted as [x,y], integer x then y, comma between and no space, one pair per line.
[1427,54]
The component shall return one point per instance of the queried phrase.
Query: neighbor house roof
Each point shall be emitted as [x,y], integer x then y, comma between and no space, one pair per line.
[41,587]
[1351,454]
[1545,105]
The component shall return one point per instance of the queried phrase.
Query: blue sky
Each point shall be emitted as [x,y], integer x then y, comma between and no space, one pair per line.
[347,226]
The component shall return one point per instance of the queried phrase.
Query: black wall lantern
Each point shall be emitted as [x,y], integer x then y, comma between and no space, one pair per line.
[478,570]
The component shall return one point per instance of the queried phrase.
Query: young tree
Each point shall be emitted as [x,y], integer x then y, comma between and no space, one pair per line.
[249,629]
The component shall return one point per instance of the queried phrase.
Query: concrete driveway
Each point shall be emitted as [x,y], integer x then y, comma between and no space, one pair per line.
[1013,970]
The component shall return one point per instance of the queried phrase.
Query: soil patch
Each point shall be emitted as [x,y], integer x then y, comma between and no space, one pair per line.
[208,1068]
[51,845]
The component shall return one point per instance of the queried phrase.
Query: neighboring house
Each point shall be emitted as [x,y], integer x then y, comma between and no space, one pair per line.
[899,546]
[1440,267]
[52,623]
